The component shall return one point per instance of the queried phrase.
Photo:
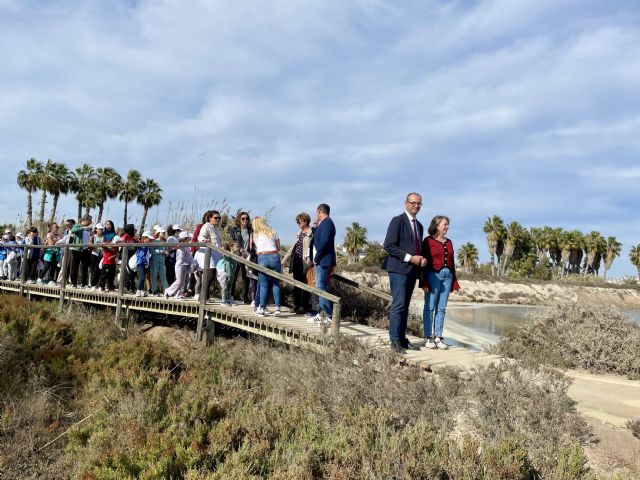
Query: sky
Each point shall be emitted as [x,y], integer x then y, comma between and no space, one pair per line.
[526,109]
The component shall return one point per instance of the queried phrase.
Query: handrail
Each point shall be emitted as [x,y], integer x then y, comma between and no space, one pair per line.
[335,324]
[354,284]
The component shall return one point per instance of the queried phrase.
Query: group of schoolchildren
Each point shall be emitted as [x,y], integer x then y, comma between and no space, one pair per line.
[161,271]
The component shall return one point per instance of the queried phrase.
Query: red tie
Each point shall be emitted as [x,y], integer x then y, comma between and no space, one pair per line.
[415,235]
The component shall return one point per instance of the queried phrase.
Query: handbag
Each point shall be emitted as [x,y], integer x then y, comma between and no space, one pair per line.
[133,262]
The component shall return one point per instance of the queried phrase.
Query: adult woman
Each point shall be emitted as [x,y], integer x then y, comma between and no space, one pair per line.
[299,258]
[157,268]
[438,280]
[209,233]
[97,238]
[242,235]
[51,256]
[267,246]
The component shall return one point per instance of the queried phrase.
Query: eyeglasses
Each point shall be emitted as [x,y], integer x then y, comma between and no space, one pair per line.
[415,204]
[244,218]
[217,218]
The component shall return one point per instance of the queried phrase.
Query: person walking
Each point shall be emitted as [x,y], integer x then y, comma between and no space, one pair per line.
[129,236]
[324,235]
[209,233]
[241,234]
[81,256]
[299,258]
[438,280]
[142,262]
[157,266]
[183,268]
[403,244]
[267,244]
[51,257]
[97,238]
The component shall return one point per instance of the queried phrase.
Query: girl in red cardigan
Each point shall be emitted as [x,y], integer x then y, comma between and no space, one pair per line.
[438,280]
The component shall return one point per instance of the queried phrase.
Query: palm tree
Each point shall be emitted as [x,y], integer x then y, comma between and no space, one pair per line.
[150,196]
[634,256]
[130,190]
[43,186]
[468,257]
[29,180]
[612,250]
[355,239]
[571,244]
[515,238]
[58,182]
[494,228]
[594,246]
[107,184]
[82,185]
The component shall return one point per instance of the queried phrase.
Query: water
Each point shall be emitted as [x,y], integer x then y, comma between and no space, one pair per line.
[477,325]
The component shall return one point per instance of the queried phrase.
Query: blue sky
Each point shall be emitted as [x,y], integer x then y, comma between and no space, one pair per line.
[528,109]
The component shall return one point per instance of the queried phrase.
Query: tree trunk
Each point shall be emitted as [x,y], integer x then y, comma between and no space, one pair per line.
[86,210]
[144,220]
[79,210]
[30,208]
[492,258]
[125,213]
[100,212]
[43,200]
[56,197]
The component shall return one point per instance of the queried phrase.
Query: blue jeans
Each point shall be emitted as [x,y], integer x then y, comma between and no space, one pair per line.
[272,262]
[158,269]
[322,283]
[401,290]
[435,301]
[141,276]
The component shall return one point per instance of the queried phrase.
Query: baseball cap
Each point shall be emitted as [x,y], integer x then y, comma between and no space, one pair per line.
[99,226]
[183,235]
[148,235]
[161,230]
[176,227]
[20,235]
[7,231]
[156,228]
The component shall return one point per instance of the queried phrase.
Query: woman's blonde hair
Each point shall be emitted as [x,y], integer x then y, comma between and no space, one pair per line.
[261,227]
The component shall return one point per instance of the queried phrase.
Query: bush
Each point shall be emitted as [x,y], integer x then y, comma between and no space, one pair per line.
[253,409]
[595,337]
[634,426]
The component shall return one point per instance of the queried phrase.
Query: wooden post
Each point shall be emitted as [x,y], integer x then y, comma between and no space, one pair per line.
[121,279]
[23,272]
[211,331]
[202,299]
[335,319]
[65,269]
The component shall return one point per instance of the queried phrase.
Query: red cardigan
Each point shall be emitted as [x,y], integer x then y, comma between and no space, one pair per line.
[433,251]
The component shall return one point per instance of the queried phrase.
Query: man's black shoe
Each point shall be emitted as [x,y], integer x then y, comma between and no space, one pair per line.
[397,347]
[409,346]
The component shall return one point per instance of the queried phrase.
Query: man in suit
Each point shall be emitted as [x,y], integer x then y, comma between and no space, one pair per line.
[324,234]
[403,244]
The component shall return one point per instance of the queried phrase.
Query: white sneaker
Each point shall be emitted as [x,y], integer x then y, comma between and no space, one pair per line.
[317,319]
[327,321]
[138,293]
[52,283]
[430,344]
[196,297]
[253,304]
[93,289]
[261,312]
[277,313]
[439,341]
[39,281]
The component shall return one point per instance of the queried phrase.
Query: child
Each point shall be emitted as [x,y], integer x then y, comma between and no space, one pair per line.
[19,254]
[183,268]
[142,262]
[226,268]
[4,251]
[157,267]
[11,264]
[96,255]
[50,257]
[109,259]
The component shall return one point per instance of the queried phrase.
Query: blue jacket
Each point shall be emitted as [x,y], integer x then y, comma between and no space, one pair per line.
[324,243]
[3,253]
[399,242]
[141,256]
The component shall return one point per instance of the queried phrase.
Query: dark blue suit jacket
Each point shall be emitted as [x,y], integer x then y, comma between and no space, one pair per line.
[324,242]
[399,242]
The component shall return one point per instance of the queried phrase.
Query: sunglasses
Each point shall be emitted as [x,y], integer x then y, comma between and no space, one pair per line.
[217,218]
[244,218]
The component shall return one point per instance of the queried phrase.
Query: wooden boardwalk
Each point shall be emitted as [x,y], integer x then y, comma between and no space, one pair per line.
[288,328]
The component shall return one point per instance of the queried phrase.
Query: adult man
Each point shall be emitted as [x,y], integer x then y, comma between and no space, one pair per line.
[81,256]
[403,244]
[324,234]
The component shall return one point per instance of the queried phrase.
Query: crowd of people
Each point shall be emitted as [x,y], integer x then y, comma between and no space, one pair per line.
[178,271]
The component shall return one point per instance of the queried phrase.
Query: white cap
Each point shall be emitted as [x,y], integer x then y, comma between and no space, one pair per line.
[6,237]
[148,235]
[161,230]
[99,226]
[183,235]
[156,228]
[20,234]
[176,227]
[8,231]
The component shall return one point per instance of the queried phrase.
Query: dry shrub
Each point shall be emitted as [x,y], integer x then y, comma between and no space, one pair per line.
[595,337]
[634,426]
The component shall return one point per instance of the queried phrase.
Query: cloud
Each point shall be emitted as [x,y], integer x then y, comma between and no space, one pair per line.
[525,109]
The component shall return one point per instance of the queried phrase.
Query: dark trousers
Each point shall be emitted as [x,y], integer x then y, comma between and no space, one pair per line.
[80,261]
[129,278]
[51,268]
[107,277]
[31,265]
[95,269]
[401,290]
[301,298]
[170,267]
[242,271]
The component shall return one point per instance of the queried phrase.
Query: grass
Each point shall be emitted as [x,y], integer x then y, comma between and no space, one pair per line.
[252,409]
[595,337]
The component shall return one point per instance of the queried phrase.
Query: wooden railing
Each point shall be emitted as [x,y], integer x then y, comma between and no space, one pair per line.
[206,274]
